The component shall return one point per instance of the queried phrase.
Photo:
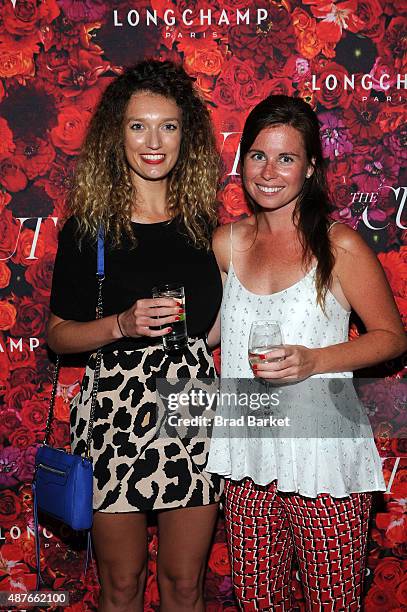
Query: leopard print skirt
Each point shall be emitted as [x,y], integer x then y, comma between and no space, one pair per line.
[135,468]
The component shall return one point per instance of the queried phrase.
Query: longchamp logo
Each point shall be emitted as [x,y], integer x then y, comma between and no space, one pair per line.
[17,344]
[366,81]
[148,17]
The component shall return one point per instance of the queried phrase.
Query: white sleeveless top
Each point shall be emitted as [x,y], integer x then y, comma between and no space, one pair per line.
[308,466]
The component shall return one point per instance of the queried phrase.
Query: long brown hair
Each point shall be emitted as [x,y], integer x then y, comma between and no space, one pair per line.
[311,215]
[103,192]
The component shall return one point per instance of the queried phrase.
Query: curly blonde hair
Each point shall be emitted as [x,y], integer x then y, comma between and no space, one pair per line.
[103,193]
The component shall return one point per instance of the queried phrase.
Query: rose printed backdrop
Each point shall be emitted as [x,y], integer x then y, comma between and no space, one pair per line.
[346,58]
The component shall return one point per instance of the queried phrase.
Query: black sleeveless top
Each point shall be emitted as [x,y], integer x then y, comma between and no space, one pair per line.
[163,254]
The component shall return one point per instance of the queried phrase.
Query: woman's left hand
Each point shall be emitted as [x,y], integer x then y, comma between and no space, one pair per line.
[295,362]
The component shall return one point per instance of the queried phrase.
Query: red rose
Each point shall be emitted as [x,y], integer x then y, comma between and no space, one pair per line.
[28,548]
[399,445]
[281,86]
[371,14]
[195,6]
[302,20]
[21,18]
[249,91]
[39,275]
[24,247]
[31,318]
[401,592]
[378,600]
[60,435]
[223,94]
[399,483]
[27,15]
[309,45]
[4,372]
[7,145]
[17,57]
[5,198]
[9,420]
[204,64]
[50,63]
[34,413]
[225,217]
[68,135]
[16,395]
[21,357]
[22,437]
[219,559]
[10,508]
[234,201]
[227,122]
[337,96]
[341,194]
[8,315]
[238,86]
[5,275]
[393,7]
[390,45]
[12,176]
[22,376]
[389,573]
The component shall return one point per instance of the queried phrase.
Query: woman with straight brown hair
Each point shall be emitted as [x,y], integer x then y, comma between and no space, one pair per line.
[290,265]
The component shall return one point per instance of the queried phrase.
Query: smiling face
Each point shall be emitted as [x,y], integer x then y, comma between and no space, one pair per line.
[152,136]
[275,167]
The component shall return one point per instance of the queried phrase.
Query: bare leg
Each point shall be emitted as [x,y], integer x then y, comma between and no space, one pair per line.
[120,542]
[184,540]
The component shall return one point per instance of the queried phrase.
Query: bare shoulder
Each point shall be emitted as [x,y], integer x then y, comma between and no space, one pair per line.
[221,240]
[220,245]
[355,261]
[348,242]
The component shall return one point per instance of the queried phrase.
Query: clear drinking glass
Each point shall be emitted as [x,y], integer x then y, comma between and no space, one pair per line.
[265,337]
[177,339]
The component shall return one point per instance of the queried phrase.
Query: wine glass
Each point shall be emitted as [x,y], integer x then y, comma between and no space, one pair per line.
[265,337]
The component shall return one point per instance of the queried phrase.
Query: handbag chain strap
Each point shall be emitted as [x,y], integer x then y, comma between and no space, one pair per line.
[96,376]
[100,275]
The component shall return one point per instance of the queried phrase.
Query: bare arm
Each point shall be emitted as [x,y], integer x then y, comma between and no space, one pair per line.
[76,337]
[221,246]
[365,286]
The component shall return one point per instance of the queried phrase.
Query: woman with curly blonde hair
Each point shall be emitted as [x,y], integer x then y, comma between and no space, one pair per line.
[147,176]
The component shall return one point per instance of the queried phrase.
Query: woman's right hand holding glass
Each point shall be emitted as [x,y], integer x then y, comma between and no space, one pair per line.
[149,317]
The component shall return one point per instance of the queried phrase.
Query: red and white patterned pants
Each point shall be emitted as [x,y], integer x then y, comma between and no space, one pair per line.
[265,527]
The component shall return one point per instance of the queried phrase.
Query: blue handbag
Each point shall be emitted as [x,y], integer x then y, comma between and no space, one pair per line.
[63,483]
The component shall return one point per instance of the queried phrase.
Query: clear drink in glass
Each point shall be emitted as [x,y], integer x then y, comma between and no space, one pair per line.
[177,339]
[265,337]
